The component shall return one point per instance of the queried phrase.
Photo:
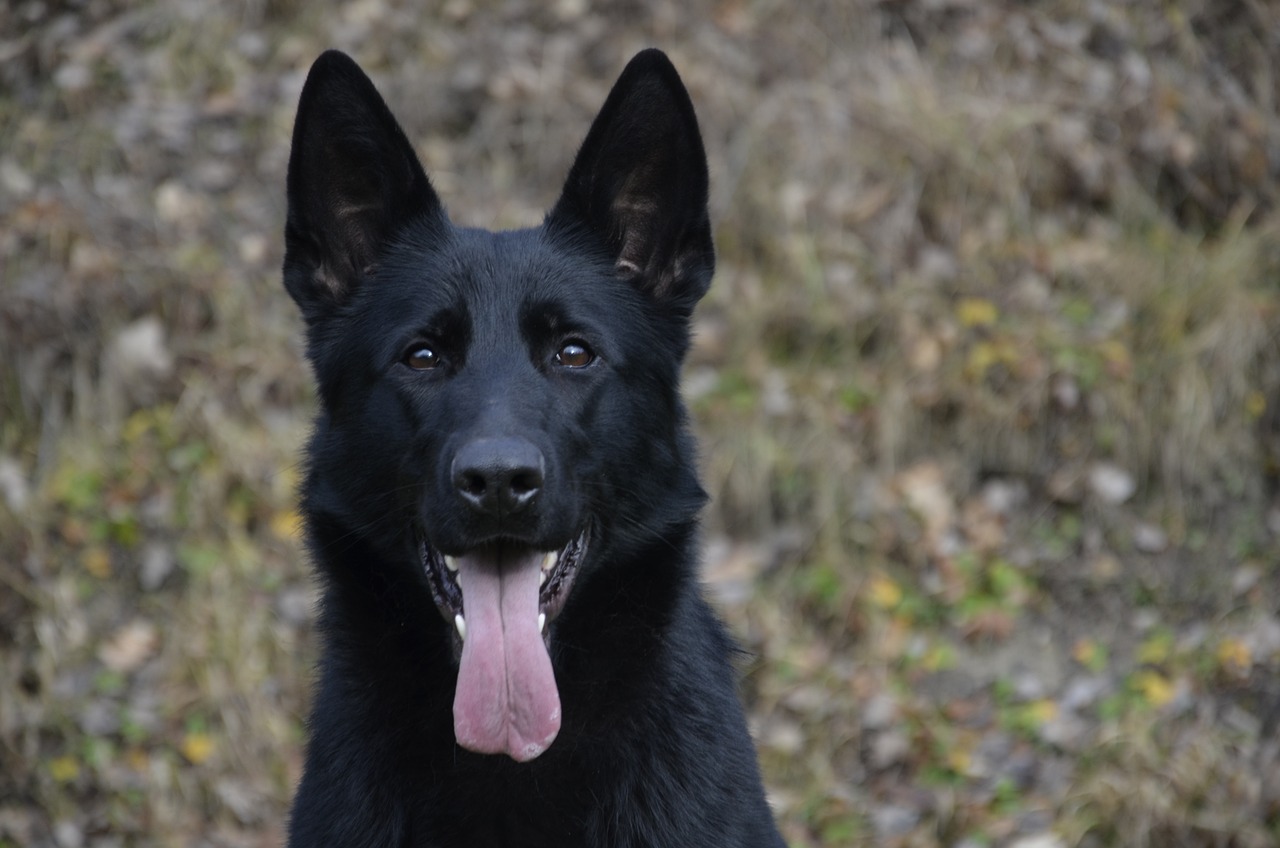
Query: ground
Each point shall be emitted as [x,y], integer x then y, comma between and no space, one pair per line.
[986,389]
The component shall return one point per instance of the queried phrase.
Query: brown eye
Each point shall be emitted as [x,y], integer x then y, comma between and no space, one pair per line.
[421,358]
[575,355]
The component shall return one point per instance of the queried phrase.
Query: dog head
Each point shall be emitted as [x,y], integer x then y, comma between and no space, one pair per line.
[500,411]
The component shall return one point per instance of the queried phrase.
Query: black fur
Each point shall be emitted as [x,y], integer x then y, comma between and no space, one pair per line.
[653,748]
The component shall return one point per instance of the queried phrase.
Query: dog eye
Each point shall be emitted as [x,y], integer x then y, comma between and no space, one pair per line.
[421,358]
[575,354]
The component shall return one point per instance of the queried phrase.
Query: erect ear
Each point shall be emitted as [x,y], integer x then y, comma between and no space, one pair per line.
[639,183]
[354,181]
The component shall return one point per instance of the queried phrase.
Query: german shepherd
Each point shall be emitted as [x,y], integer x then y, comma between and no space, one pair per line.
[501,499]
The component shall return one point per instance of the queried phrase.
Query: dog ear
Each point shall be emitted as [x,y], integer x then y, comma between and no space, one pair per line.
[353,181]
[639,183]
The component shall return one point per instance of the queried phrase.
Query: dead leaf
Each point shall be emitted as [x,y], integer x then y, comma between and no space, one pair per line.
[923,488]
[130,646]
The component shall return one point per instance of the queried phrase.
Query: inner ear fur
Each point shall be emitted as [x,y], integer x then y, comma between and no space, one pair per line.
[639,183]
[354,180]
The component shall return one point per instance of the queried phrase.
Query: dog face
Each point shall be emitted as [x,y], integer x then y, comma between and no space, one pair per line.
[499,410]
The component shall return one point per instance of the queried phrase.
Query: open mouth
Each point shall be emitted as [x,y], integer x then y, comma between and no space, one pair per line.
[556,570]
[501,598]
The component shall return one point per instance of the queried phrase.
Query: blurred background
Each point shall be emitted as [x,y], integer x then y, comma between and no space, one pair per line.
[986,389]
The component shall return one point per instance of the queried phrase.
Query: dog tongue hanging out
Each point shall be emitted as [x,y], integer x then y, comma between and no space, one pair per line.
[506,701]
[500,495]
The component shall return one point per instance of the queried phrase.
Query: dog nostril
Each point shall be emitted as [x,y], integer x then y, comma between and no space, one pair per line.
[525,483]
[472,483]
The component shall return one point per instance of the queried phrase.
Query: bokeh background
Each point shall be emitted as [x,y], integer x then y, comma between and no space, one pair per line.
[986,389]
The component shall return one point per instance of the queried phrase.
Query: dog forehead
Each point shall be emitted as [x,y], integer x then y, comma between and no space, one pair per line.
[495,278]
[518,265]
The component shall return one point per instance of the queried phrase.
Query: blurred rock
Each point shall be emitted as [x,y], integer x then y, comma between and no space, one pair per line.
[808,700]
[699,382]
[253,45]
[254,248]
[1263,639]
[144,711]
[936,263]
[1066,392]
[889,749]
[1003,496]
[1145,619]
[1110,483]
[1149,538]
[993,749]
[1032,291]
[891,821]
[73,77]
[155,565]
[1039,840]
[68,834]
[215,174]
[295,604]
[14,179]
[241,799]
[100,717]
[880,711]
[13,484]
[1066,731]
[1082,692]
[1027,685]
[784,736]
[568,10]
[1246,579]
[179,206]
[775,396]
[139,353]
[157,509]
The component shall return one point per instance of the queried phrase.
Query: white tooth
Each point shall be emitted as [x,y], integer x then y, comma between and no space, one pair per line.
[542,621]
[450,563]
[549,560]
[542,578]
[460,623]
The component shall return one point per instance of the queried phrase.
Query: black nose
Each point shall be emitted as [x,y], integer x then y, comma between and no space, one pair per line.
[498,477]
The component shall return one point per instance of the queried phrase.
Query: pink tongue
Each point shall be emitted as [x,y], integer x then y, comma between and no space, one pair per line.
[506,701]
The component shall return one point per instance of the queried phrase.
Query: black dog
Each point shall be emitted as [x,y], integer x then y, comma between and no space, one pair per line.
[500,495]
